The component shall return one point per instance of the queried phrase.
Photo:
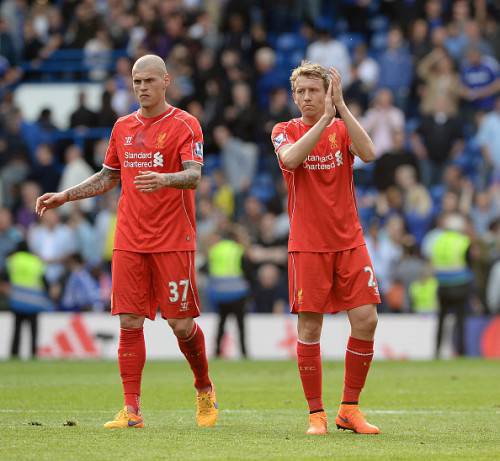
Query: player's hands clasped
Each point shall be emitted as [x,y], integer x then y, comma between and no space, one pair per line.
[48,201]
[336,85]
[149,181]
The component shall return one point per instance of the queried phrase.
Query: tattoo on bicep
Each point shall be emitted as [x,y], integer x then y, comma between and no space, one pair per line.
[97,184]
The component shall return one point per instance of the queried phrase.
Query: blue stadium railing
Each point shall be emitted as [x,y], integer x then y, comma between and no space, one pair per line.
[66,65]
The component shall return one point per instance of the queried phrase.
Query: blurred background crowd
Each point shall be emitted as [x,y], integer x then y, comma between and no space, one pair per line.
[421,76]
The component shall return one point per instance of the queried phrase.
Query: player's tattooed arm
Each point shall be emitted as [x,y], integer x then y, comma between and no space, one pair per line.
[98,183]
[149,181]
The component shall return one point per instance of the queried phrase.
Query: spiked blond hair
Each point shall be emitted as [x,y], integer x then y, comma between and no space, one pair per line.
[311,70]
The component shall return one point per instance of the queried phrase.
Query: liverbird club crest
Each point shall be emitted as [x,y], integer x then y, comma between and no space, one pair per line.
[161,140]
[333,140]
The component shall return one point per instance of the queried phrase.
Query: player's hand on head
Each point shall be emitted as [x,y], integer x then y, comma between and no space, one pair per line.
[48,201]
[149,181]
[336,83]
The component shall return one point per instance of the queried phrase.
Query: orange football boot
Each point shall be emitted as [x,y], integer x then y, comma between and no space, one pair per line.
[125,419]
[207,409]
[318,424]
[350,418]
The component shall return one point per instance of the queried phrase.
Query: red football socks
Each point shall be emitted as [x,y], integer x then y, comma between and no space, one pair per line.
[193,348]
[131,358]
[309,361]
[358,357]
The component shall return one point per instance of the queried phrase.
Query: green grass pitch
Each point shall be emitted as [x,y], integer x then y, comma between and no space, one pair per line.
[427,410]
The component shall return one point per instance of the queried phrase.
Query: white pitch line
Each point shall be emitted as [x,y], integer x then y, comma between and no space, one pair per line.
[250,411]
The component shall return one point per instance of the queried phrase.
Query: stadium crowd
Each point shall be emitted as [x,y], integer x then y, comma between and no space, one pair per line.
[421,76]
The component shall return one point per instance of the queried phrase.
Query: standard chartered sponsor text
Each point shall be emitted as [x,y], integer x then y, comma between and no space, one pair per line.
[138,160]
[323,162]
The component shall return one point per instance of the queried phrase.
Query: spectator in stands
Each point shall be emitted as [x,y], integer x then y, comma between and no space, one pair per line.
[181,67]
[45,122]
[106,116]
[75,171]
[439,78]
[434,13]
[235,32]
[423,292]
[223,196]
[85,237]
[13,173]
[438,138]
[81,290]
[388,162]
[491,32]
[382,120]
[52,241]
[83,26]
[367,68]
[46,173]
[268,75]
[241,115]
[25,213]
[484,210]
[419,39]
[239,160]
[33,45]
[489,140]
[269,291]
[481,80]
[330,53]
[396,56]
[417,202]
[278,110]
[251,215]
[473,39]
[10,236]
[82,117]
[105,226]
[204,30]
[97,54]
[384,246]
[7,47]
[409,269]
[268,247]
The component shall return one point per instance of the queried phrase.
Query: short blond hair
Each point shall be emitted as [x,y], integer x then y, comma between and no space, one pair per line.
[310,70]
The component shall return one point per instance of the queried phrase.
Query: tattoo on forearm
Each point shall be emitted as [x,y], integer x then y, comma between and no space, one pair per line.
[187,179]
[97,184]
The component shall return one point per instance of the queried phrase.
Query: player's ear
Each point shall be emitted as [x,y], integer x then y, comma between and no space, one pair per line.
[167,80]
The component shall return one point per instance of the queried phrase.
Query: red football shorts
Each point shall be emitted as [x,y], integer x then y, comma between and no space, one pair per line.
[142,283]
[331,282]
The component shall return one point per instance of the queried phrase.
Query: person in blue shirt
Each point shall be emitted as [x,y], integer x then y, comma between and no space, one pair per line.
[480,80]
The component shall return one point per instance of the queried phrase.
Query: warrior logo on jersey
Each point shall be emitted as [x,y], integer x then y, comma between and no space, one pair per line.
[157,159]
[333,140]
[278,140]
[128,141]
[161,140]
[198,150]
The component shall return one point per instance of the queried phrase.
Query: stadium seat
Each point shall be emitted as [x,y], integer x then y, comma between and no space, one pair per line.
[263,187]
[351,40]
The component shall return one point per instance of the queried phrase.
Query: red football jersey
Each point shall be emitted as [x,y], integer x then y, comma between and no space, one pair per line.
[321,202]
[163,220]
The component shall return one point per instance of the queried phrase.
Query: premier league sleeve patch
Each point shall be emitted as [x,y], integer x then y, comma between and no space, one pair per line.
[278,140]
[198,150]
